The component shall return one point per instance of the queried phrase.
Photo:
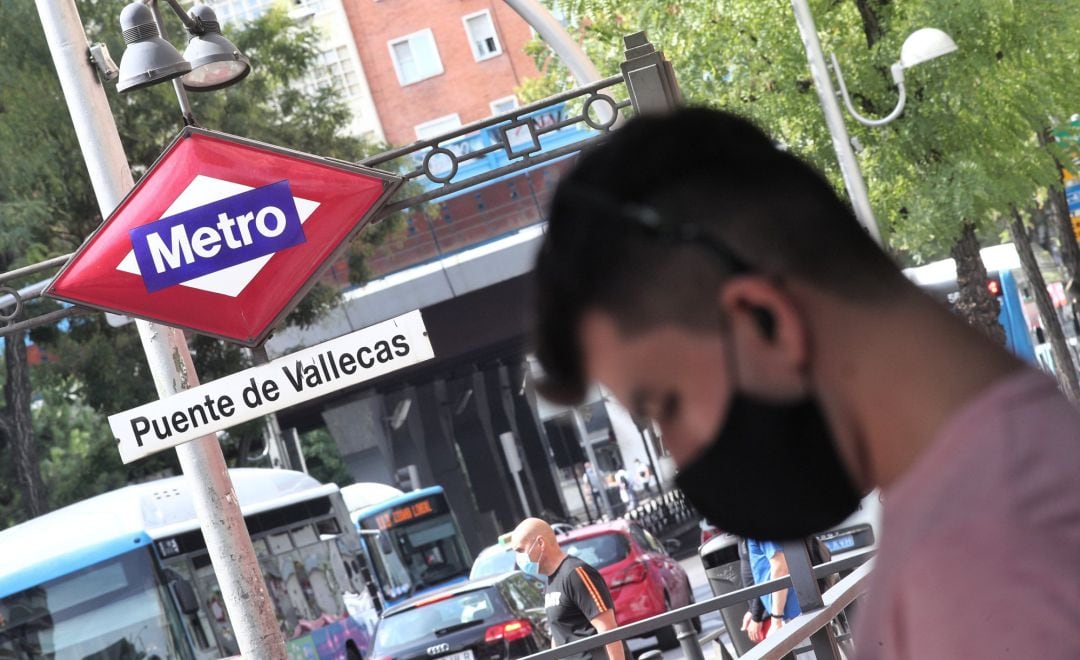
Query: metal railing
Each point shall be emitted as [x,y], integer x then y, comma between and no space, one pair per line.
[13,302]
[664,515]
[516,138]
[810,631]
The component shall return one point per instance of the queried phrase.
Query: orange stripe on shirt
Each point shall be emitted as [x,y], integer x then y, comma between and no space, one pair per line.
[592,589]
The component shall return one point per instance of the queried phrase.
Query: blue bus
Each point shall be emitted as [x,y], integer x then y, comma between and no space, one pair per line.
[413,540]
[1001,261]
[126,574]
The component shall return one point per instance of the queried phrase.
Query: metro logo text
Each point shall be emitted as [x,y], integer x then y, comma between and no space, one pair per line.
[210,238]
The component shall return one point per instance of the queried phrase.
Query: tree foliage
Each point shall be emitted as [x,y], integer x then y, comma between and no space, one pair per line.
[966,148]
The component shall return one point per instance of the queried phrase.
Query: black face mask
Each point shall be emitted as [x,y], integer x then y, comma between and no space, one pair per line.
[772,473]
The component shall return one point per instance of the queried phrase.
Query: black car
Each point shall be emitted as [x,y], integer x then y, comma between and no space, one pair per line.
[499,617]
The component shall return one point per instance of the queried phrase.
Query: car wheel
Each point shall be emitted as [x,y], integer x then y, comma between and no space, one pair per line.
[667,638]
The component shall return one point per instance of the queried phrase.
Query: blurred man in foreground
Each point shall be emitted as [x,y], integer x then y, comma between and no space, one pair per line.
[717,285]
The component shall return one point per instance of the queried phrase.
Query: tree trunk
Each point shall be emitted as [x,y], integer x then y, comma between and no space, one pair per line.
[16,425]
[1058,208]
[975,305]
[871,24]
[1063,362]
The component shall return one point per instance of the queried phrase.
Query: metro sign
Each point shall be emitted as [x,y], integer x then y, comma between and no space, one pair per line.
[223,236]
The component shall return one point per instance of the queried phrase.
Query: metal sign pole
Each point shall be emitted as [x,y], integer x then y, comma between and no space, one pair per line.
[247,601]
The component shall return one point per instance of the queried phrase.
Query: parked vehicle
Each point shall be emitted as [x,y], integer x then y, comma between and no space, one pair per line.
[126,574]
[495,618]
[493,560]
[643,577]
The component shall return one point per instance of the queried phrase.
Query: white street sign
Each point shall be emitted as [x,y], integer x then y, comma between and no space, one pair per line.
[308,374]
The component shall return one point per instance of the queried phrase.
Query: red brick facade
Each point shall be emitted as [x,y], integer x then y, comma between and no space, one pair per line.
[466,86]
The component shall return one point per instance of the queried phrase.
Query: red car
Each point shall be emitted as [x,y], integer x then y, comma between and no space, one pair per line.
[643,578]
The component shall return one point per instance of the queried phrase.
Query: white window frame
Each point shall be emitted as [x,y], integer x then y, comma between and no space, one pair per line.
[504,99]
[408,39]
[419,128]
[468,35]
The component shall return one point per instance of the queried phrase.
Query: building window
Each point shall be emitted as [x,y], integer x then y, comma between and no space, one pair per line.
[481,33]
[437,127]
[503,105]
[415,57]
[335,68]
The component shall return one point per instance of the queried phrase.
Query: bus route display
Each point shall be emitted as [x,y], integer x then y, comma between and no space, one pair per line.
[413,511]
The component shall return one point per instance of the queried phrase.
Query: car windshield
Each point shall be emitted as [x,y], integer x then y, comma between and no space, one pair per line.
[598,551]
[112,610]
[434,620]
[494,562]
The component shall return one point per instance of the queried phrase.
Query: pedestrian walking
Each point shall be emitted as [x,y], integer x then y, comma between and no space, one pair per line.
[644,477]
[596,486]
[716,284]
[576,599]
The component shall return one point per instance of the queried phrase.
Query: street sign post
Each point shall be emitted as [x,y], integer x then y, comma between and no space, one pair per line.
[223,236]
[245,395]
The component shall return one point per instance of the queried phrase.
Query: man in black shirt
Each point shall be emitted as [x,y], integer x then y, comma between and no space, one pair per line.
[577,599]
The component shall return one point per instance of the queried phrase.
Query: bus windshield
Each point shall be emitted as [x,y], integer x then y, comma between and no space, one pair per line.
[417,546]
[112,610]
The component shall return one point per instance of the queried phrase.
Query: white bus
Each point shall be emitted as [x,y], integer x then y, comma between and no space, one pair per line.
[125,575]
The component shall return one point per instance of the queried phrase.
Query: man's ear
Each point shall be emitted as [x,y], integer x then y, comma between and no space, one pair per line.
[765,325]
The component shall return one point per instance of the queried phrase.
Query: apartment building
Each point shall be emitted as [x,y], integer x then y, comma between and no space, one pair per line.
[435,65]
[339,63]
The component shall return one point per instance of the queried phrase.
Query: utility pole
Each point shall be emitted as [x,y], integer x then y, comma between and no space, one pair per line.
[251,611]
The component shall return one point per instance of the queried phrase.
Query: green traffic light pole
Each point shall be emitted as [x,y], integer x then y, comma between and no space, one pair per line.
[250,608]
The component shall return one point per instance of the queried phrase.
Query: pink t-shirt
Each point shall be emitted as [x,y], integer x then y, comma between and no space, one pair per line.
[980,552]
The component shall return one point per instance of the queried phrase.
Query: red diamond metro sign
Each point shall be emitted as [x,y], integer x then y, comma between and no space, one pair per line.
[223,236]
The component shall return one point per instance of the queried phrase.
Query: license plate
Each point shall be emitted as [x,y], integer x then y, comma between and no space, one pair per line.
[464,655]
[840,543]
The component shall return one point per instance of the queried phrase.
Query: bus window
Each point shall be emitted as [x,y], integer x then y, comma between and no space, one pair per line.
[117,608]
[431,551]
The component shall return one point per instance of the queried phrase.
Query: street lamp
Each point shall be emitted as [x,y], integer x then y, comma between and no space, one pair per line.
[210,61]
[921,46]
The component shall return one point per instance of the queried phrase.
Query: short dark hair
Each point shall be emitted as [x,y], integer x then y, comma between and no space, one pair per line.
[628,223]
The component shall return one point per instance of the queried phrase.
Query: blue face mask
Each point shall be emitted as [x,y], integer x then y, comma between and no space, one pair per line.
[527,565]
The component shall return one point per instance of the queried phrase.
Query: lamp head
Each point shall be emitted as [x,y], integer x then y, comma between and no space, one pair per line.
[148,59]
[215,61]
[924,45]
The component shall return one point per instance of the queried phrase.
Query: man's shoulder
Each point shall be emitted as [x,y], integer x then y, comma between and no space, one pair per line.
[566,568]
[571,564]
[975,586]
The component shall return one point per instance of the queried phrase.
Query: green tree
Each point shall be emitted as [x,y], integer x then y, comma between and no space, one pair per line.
[945,176]
[323,458]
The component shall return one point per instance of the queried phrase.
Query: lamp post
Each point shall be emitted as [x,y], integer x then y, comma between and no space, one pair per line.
[210,61]
[247,601]
[921,46]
